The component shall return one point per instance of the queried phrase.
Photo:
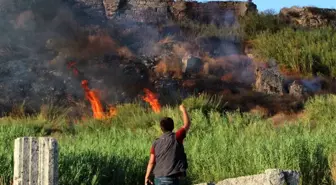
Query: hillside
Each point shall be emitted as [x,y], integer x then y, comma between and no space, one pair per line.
[98,74]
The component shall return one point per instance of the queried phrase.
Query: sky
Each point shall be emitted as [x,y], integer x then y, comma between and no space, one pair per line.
[278,4]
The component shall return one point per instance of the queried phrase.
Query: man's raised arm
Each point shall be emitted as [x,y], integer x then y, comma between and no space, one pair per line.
[186,119]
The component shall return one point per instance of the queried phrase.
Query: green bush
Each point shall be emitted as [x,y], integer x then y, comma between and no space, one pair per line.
[256,23]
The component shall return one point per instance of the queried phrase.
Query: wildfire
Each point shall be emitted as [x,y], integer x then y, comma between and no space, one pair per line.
[112,111]
[96,105]
[93,97]
[152,99]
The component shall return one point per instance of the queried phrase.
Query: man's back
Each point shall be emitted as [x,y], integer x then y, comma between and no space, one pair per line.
[170,157]
[167,157]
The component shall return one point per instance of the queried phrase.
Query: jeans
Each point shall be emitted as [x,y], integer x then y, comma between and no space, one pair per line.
[166,181]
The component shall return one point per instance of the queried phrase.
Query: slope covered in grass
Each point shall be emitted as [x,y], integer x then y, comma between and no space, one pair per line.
[305,51]
[220,144]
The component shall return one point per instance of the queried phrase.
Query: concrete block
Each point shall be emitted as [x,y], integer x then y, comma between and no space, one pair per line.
[35,161]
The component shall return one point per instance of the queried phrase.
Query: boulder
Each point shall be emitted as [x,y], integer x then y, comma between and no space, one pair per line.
[269,177]
[305,87]
[297,89]
[269,80]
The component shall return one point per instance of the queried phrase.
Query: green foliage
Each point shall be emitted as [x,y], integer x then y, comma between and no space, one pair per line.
[309,51]
[246,27]
[306,51]
[219,145]
[321,108]
[256,23]
[194,29]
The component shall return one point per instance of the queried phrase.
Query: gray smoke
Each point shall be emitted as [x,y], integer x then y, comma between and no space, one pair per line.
[34,72]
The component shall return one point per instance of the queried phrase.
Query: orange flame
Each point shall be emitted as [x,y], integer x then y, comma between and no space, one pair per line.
[152,99]
[112,111]
[96,105]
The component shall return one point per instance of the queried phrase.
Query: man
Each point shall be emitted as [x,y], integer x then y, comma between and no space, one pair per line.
[167,154]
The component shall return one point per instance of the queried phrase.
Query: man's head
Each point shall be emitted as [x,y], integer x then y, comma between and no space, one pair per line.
[167,124]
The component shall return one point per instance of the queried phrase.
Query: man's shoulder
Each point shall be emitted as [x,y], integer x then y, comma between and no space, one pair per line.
[181,134]
[181,131]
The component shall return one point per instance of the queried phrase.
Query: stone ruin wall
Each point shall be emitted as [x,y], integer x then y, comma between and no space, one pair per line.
[212,12]
[163,10]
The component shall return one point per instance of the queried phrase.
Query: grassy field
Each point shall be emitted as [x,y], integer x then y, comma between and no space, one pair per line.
[220,144]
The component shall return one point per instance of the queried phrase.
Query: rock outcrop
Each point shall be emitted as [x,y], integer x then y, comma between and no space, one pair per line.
[308,16]
[216,12]
[145,11]
[270,177]
[269,80]
[153,11]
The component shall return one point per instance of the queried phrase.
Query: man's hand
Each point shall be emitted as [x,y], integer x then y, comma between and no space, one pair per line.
[148,181]
[182,108]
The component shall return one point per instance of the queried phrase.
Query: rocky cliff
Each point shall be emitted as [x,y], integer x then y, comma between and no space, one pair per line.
[308,16]
[161,10]
[218,12]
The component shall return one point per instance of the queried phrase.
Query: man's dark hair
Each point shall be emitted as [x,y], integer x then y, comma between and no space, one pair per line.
[167,124]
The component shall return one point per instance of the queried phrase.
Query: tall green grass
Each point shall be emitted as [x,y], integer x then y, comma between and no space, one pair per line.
[244,28]
[306,51]
[254,24]
[219,145]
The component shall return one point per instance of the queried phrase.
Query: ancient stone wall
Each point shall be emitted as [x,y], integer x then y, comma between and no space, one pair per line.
[161,10]
[35,161]
[151,11]
[218,12]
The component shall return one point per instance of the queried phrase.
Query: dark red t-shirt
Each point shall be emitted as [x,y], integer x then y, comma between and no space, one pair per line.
[180,135]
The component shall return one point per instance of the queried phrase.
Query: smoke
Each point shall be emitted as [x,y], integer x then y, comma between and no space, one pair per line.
[38,40]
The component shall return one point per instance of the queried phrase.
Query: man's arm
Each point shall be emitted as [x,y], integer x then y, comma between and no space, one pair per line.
[149,169]
[186,119]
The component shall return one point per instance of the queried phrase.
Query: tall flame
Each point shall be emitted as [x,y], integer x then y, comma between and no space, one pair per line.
[152,99]
[92,96]
[96,105]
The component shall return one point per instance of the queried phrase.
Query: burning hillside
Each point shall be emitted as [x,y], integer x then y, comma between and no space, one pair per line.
[63,56]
